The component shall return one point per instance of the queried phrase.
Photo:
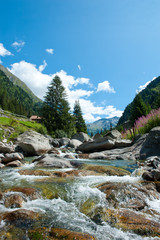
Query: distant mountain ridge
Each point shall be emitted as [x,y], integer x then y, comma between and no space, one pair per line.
[101,124]
[149,95]
[16,81]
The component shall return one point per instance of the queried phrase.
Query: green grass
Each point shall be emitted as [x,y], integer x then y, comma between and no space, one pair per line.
[18,127]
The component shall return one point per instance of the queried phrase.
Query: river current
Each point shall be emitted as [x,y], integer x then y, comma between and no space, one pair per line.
[66,197]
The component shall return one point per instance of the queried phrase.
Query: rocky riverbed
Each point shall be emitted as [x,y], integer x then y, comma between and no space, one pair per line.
[49,189]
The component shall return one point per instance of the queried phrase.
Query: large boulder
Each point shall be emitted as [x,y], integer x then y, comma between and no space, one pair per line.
[33,143]
[50,160]
[82,137]
[151,145]
[99,144]
[114,134]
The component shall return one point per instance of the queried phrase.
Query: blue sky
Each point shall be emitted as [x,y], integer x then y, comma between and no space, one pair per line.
[103,50]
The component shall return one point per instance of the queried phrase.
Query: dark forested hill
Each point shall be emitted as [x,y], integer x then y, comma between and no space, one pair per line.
[150,95]
[15,99]
[101,124]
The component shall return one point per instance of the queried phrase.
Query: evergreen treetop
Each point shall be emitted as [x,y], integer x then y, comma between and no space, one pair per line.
[79,121]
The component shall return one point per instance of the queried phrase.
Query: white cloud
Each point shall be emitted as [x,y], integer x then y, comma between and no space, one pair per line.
[105,86]
[33,77]
[142,87]
[69,80]
[90,118]
[18,45]
[79,67]
[0,61]
[43,66]
[50,50]
[3,51]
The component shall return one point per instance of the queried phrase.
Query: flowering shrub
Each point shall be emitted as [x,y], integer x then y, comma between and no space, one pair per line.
[143,124]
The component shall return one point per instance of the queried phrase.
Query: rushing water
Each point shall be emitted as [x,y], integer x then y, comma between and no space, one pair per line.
[65,205]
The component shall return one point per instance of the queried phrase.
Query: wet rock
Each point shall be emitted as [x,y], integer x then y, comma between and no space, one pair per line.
[74,143]
[50,160]
[53,151]
[13,201]
[58,233]
[31,193]
[16,163]
[1,196]
[82,137]
[6,148]
[9,157]
[128,195]
[107,170]
[35,172]
[133,221]
[152,175]
[98,145]
[33,143]
[20,217]
[153,161]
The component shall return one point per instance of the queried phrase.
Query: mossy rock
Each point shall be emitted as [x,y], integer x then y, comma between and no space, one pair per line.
[57,233]
[107,170]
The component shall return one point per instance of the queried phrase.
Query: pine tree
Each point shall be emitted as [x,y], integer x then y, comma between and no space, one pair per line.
[79,121]
[139,108]
[55,109]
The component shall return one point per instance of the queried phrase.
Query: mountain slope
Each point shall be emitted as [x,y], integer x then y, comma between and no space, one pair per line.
[149,95]
[16,81]
[101,124]
[16,99]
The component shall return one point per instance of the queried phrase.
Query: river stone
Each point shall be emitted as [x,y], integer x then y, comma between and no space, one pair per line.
[81,136]
[50,160]
[15,163]
[31,193]
[134,221]
[9,157]
[151,145]
[33,143]
[13,201]
[98,145]
[74,143]
[152,175]
[23,216]
[58,233]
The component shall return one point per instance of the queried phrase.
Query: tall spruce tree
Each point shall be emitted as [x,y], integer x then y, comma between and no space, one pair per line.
[139,108]
[79,121]
[55,109]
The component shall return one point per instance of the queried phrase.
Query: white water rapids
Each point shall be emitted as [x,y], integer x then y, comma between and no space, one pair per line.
[65,211]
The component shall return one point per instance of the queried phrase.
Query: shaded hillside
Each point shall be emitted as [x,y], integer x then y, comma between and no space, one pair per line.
[16,81]
[101,124]
[150,96]
[15,99]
